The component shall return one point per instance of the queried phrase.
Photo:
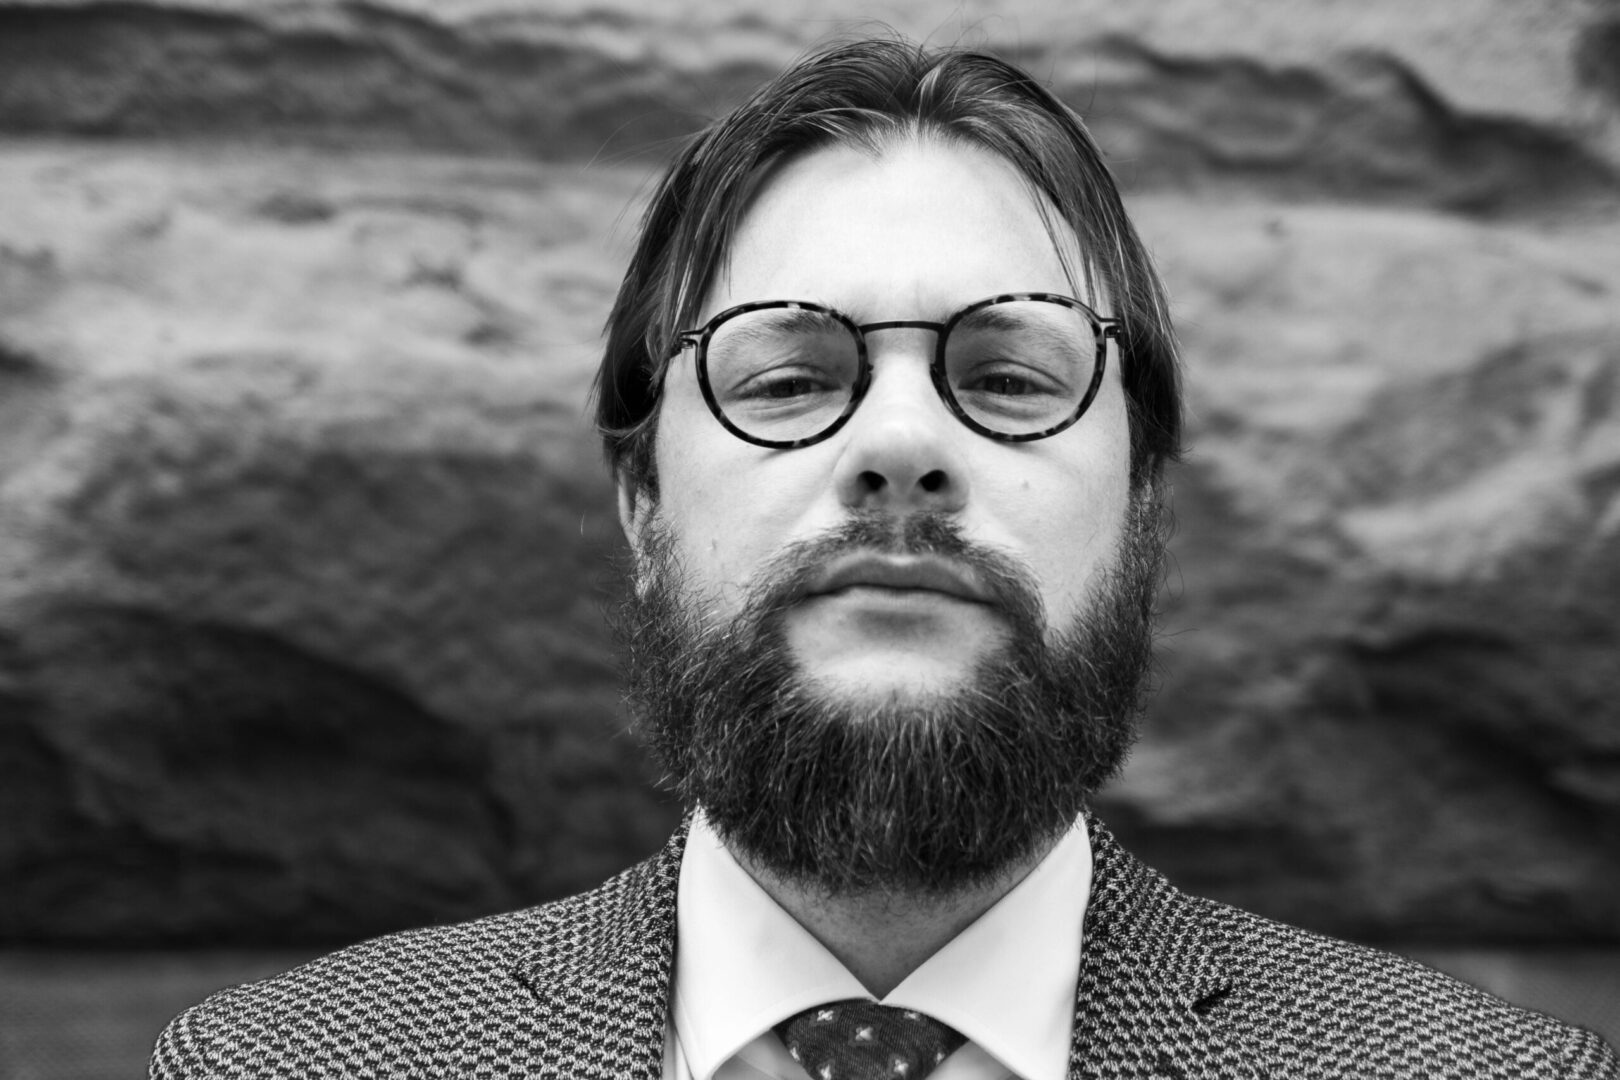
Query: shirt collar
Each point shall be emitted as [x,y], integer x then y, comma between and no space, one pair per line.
[1007,982]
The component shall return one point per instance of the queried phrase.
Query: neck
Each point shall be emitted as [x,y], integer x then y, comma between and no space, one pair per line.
[882,937]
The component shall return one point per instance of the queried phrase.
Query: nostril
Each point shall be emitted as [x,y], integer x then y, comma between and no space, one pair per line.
[933,482]
[872,481]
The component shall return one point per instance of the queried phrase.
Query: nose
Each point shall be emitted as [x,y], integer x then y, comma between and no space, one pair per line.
[903,450]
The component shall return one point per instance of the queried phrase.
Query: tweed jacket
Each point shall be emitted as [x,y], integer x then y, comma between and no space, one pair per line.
[1171,986]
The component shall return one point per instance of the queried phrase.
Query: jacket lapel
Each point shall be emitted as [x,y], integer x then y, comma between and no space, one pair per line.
[1151,980]
[601,977]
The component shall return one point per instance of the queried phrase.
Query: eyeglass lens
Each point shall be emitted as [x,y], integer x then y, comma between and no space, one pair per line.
[1015,367]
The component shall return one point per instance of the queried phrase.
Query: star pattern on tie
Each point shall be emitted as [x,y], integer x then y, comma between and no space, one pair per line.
[862,1040]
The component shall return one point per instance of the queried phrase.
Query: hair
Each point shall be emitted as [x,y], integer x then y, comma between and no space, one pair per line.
[870,93]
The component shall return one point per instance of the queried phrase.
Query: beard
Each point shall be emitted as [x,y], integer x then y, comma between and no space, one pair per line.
[925,794]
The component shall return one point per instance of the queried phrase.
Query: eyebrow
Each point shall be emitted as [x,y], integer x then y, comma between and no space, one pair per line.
[770,322]
[994,317]
[792,319]
[998,318]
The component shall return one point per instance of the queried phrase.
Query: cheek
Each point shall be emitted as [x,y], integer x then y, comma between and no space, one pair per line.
[1077,518]
[726,505]
[691,497]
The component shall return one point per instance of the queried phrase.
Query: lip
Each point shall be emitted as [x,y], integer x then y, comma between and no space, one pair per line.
[923,573]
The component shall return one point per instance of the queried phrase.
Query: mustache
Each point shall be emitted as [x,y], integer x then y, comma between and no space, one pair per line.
[788,577]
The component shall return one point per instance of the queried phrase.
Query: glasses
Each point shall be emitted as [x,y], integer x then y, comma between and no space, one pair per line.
[789,373]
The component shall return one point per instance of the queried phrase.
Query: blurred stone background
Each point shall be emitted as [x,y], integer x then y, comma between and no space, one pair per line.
[303,528]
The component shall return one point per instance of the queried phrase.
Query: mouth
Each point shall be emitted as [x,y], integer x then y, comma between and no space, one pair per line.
[899,573]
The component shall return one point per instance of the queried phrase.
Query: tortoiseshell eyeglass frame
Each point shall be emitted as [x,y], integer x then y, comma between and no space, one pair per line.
[699,338]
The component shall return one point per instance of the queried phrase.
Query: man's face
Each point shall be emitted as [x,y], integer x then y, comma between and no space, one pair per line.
[913,234]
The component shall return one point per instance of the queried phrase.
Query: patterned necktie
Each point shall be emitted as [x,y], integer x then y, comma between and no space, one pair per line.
[862,1040]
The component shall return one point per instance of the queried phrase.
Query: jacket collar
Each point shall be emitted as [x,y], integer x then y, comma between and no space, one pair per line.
[1153,977]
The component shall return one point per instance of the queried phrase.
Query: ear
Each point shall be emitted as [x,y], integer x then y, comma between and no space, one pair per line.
[635,510]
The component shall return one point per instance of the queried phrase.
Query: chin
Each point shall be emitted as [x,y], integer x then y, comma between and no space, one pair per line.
[889,684]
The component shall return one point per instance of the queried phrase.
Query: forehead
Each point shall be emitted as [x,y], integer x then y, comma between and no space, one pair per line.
[913,231]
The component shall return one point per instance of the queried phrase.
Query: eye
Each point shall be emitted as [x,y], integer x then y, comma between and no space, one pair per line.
[1006,379]
[786,385]
[1001,384]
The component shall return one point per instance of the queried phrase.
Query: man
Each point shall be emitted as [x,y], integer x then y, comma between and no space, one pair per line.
[889,391]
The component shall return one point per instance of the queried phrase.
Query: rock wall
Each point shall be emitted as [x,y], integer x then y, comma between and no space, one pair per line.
[302,527]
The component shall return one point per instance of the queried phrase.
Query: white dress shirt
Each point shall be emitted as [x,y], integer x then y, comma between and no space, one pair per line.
[743,964]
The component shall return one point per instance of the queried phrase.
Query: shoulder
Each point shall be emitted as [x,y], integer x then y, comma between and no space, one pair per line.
[1306,995]
[436,1001]
[1311,1005]
[384,998]
[1300,1004]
